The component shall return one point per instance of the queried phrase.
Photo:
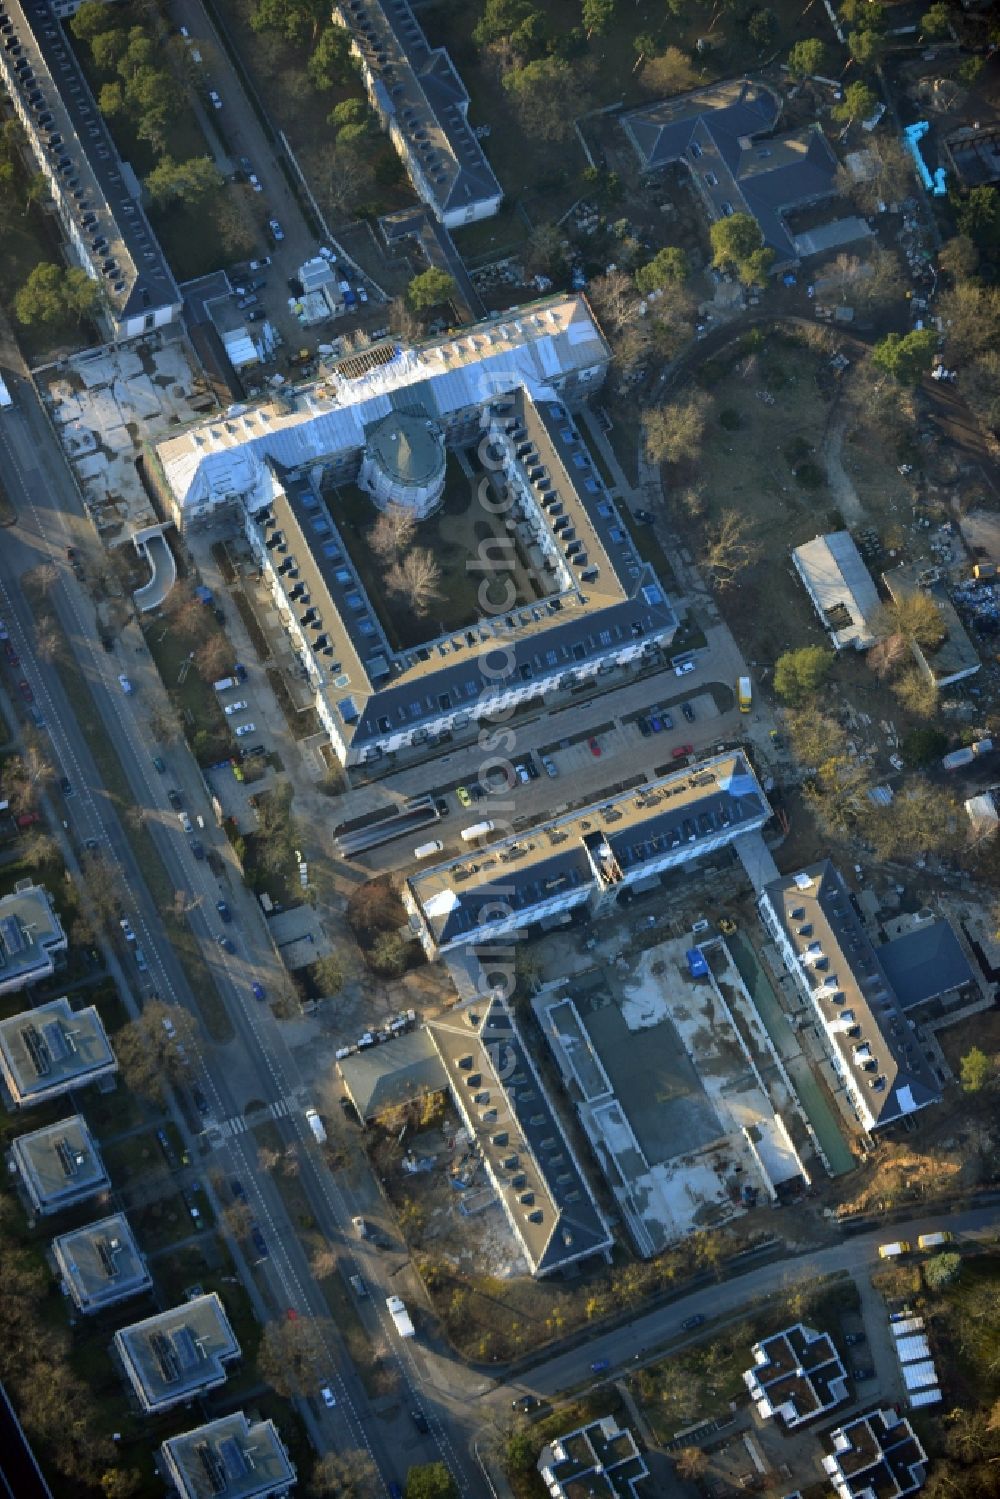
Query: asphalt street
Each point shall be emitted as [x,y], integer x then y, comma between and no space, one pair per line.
[257,1064]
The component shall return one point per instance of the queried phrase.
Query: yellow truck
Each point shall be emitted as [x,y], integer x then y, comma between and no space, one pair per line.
[744,694]
[893,1251]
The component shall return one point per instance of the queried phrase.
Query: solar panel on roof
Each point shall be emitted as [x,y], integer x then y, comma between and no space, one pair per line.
[56,1040]
[185,1347]
[12,935]
[232,1455]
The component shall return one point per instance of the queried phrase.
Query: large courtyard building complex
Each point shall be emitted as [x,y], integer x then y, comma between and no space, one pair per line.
[383,420]
[96,195]
[586,858]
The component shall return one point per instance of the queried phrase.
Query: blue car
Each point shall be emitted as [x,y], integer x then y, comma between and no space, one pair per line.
[226,944]
[600,1366]
[257,990]
[655,723]
[259,1242]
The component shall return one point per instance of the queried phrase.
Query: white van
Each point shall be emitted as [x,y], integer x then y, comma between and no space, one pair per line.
[317,1126]
[478,830]
[893,1251]
[424,850]
[224,684]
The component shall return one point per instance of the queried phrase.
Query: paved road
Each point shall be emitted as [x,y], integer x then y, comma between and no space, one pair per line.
[636,1342]
[257,1063]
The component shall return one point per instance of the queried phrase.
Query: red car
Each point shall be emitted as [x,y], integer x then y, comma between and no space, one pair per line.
[594,747]
[11,654]
[25,691]
[682,750]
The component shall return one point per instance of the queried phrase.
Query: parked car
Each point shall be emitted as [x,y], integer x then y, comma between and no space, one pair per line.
[198,849]
[254,182]
[25,691]
[236,1188]
[861,1376]
[277,233]
[225,943]
[11,654]
[245,728]
[688,712]
[643,725]
[237,707]
[525,1404]
[681,750]
[600,1366]
[158,764]
[644,517]
[174,798]
[125,684]
[464,799]
[683,669]
[522,773]
[65,786]
[261,264]
[358,1287]
[419,1420]
[257,990]
[852,1339]
[223,910]
[549,766]
[690,1323]
[249,301]
[594,747]
[667,720]
[200,1101]
[257,316]
[327,1396]
[258,1240]
[656,723]
[185,822]
[216,101]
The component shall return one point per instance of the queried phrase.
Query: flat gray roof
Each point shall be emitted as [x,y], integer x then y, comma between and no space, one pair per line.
[956,657]
[840,586]
[395,1072]
[171,1356]
[101,1263]
[507,1109]
[60,1163]
[229,1459]
[30,932]
[52,1048]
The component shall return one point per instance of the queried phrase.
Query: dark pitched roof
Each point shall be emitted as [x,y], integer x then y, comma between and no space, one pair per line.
[925,962]
[863,1017]
[713,130]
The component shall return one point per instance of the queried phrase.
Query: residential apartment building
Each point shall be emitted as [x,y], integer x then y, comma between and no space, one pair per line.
[596,1461]
[877,1453]
[97,196]
[869,1040]
[101,1265]
[423,106]
[723,135]
[30,937]
[505,1106]
[178,1354]
[512,387]
[58,1166]
[797,1376]
[49,1050]
[230,1458]
[586,858]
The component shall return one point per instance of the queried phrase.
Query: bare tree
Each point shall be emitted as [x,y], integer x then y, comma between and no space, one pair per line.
[669,73]
[188,616]
[915,616]
[416,578]
[344,1475]
[917,693]
[44,577]
[324,1262]
[213,658]
[165,725]
[692,1464]
[48,642]
[149,1054]
[293,1355]
[729,550]
[404,322]
[888,654]
[393,533]
[673,432]
[886,179]
[267,1158]
[39,849]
